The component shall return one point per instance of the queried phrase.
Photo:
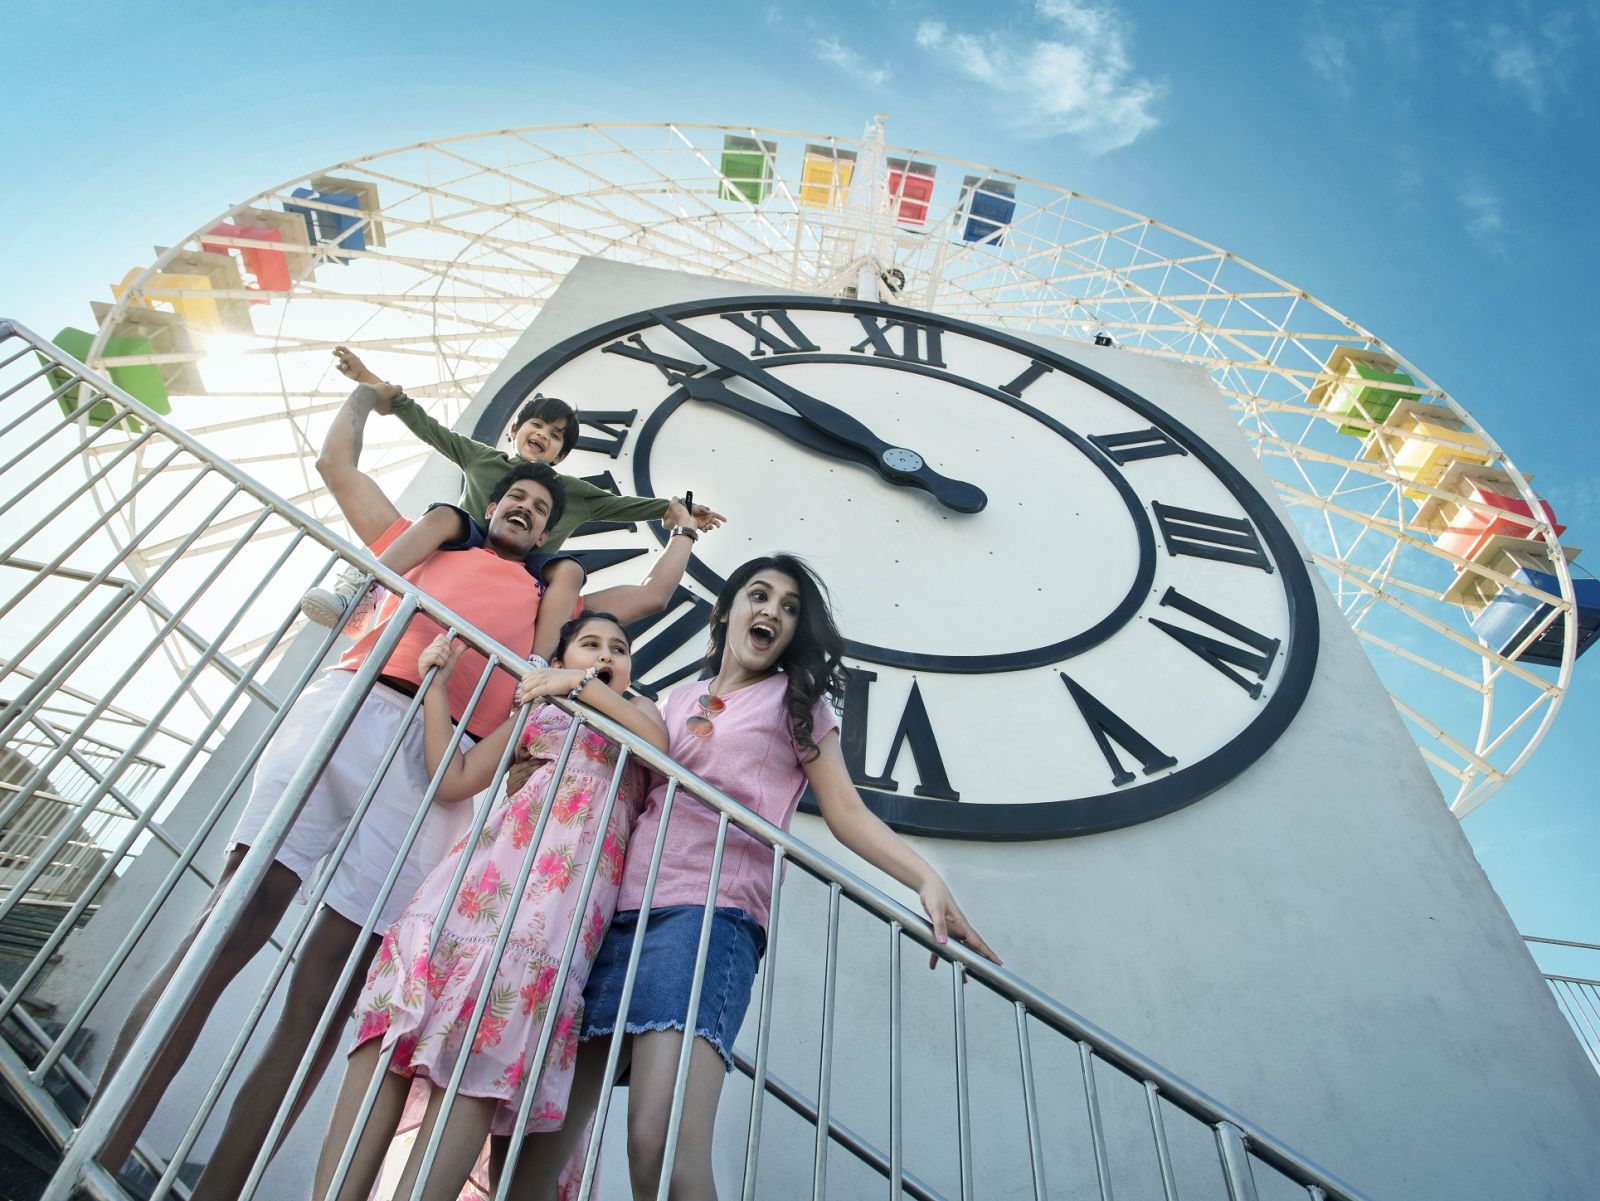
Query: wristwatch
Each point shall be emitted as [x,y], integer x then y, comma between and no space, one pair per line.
[688,531]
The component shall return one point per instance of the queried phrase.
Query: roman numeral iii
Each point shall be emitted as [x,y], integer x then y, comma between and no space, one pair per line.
[1210,536]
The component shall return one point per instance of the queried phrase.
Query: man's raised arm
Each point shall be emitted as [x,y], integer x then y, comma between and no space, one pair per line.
[365,505]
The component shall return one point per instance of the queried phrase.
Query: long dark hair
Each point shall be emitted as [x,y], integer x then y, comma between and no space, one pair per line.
[813,660]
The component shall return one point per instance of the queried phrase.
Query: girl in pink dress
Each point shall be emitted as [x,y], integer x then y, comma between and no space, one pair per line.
[416,1007]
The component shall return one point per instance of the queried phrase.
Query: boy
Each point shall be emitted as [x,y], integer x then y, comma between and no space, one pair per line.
[545,431]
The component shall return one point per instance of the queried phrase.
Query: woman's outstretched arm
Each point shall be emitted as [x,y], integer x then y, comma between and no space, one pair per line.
[864,832]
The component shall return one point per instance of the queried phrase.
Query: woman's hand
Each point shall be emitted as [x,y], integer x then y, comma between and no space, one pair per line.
[948,920]
[549,681]
[443,652]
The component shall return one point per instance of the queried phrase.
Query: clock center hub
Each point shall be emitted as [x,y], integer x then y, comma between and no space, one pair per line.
[898,458]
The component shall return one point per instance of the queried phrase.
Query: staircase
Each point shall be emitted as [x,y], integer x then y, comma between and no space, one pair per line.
[177,676]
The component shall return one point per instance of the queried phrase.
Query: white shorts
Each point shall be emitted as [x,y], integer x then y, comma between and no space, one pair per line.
[327,812]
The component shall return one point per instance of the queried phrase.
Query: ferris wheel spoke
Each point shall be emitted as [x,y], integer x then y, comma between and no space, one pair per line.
[1353,575]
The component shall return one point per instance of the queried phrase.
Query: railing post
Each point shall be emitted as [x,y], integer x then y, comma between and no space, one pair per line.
[1235,1163]
[112,1098]
[1097,1134]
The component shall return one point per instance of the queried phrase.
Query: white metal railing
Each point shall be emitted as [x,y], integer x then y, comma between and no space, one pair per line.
[1577,996]
[1000,1030]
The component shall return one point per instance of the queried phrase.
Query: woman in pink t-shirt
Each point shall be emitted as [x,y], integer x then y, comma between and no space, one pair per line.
[759,729]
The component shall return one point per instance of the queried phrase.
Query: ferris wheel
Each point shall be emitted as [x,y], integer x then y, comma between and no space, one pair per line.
[432,259]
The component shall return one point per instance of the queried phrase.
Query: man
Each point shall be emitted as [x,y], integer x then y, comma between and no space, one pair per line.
[490,587]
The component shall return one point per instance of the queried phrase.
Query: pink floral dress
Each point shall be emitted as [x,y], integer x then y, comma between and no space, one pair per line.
[421,1006]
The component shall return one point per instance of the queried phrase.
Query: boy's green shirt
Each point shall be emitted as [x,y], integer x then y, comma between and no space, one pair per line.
[484,466]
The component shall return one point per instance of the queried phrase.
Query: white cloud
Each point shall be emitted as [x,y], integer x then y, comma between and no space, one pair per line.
[1329,57]
[1485,218]
[1077,79]
[831,50]
[1532,61]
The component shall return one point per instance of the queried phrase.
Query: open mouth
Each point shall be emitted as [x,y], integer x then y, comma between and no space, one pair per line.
[519,520]
[536,446]
[762,636]
[604,676]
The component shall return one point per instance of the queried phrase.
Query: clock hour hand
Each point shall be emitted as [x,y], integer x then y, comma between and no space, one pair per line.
[896,464]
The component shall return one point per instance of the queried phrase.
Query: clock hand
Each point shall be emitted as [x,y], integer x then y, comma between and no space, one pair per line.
[802,433]
[894,463]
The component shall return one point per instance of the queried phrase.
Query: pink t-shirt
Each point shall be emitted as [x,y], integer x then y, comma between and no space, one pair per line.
[751,756]
[497,595]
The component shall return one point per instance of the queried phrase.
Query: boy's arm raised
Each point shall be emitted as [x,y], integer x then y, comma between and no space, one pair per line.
[458,448]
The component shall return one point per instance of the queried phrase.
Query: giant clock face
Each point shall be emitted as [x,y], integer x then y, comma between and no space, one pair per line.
[1065,612]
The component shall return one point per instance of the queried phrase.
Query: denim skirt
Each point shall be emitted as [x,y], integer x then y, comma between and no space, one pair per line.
[660,998]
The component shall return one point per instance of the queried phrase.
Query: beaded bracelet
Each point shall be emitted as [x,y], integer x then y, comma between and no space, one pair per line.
[589,673]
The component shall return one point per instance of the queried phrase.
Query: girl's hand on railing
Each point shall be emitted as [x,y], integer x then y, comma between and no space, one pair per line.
[948,920]
[522,767]
[549,681]
[443,652]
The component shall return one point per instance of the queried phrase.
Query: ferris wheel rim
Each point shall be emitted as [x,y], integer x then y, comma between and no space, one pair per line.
[1214,347]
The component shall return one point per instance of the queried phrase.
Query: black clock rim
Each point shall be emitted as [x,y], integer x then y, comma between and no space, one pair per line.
[1039,819]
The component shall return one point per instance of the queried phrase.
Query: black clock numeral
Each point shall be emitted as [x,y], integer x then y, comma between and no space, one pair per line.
[792,340]
[1107,727]
[1217,653]
[1123,449]
[601,558]
[1035,371]
[610,428]
[688,624]
[1210,536]
[674,370]
[918,343]
[914,726]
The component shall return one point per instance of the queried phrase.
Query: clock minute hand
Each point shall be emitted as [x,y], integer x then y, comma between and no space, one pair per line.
[711,390]
[894,463]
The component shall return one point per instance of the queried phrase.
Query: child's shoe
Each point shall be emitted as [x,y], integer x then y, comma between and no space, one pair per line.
[348,604]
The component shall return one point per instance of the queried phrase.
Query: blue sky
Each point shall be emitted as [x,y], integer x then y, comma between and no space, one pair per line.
[1429,170]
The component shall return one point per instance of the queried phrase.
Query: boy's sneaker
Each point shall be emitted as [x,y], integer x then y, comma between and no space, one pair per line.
[348,604]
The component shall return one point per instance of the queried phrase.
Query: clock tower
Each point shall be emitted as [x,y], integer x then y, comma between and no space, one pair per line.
[1093,677]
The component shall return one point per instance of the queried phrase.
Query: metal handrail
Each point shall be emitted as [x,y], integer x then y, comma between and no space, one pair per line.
[1577,997]
[1238,1139]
